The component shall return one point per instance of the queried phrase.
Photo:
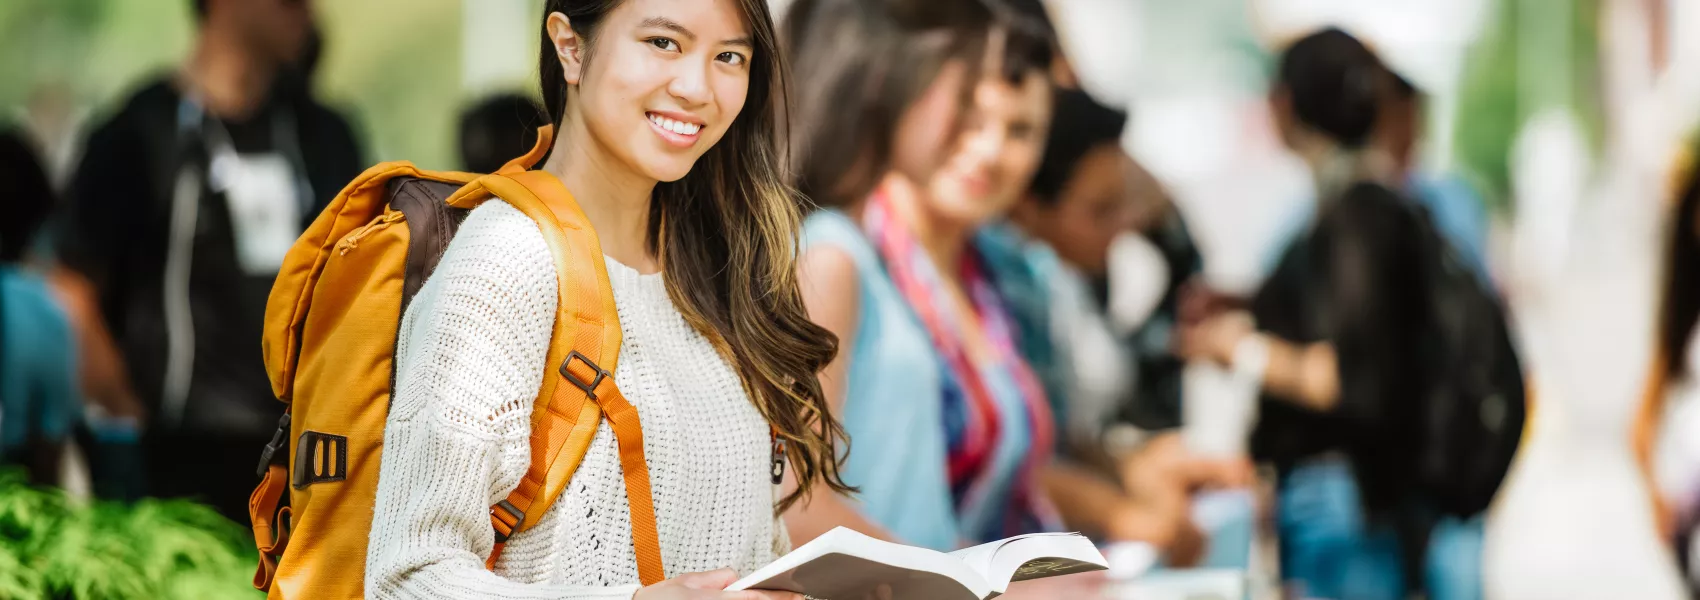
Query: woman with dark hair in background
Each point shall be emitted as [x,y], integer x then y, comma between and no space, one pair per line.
[896,269]
[921,58]
[669,140]
[1334,336]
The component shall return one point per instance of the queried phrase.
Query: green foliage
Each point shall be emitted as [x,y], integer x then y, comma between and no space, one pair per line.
[1502,89]
[52,548]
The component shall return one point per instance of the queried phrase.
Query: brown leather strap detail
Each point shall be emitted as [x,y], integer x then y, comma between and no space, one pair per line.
[269,539]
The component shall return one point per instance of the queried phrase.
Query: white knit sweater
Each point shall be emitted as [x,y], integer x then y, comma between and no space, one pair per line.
[469,365]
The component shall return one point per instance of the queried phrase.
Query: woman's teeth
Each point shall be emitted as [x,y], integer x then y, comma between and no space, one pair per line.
[679,127]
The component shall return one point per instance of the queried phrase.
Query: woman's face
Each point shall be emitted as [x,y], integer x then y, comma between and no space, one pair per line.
[924,132]
[1097,203]
[993,161]
[664,82]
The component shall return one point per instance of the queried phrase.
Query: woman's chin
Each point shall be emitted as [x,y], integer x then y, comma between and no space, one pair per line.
[667,170]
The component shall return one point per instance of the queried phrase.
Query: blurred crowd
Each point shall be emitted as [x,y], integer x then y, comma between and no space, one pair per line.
[1026,339]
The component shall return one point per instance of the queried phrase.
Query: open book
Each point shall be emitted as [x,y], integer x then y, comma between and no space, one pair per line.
[846,565]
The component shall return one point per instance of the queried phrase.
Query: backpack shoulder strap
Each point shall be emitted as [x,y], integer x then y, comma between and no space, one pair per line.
[584,348]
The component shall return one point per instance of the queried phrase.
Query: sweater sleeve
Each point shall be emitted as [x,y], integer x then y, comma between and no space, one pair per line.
[456,441]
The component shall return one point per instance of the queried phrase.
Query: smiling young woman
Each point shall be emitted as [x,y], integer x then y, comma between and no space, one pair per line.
[669,142]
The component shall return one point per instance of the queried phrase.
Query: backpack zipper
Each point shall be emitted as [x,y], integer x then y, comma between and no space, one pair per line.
[351,242]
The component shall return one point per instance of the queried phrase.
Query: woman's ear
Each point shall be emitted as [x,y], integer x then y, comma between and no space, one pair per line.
[567,46]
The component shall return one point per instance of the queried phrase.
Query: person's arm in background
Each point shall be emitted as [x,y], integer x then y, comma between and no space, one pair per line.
[101,366]
[1095,505]
[827,278]
[55,384]
[1305,375]
[1368,373]
[1371,360]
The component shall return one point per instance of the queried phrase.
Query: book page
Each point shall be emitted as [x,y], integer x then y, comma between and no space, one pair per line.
[846,565]
[1032,557]
[846,577]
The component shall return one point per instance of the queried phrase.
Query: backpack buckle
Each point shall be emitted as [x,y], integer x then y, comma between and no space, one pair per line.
[588,387]
[273,454]
[499,521]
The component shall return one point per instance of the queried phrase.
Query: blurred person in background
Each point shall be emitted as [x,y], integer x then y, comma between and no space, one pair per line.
[1451,202]
[1454,205]
[910,195]
[922,58]
[180,213]
[39,403]
[1092,209]
[497,129]
[1334,336]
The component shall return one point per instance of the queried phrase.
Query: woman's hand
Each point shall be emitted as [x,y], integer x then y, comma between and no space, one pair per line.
[707,586]
[1161,478]
[1164,467]
[1215,338]
[1166,526]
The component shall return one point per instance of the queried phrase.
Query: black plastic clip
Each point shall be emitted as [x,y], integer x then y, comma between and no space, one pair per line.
[273,454]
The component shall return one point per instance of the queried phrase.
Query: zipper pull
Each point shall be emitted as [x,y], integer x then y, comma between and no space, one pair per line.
[352,241]
[778,470]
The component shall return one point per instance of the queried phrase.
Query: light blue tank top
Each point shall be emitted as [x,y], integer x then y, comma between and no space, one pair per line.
[38,363]
[893,411]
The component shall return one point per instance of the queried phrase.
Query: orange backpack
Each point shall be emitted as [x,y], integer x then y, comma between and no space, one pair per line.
[331,326]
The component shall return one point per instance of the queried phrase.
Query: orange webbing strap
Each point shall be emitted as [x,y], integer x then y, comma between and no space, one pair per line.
[262,508]
[585,345]
[646,538]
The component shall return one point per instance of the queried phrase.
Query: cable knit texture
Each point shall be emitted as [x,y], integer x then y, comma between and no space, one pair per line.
[469,366]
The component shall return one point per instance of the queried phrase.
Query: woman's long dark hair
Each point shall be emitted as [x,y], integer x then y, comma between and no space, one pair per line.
[1681,302]
[726,236]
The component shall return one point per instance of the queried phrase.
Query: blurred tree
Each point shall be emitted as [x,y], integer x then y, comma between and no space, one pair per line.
[1536,55]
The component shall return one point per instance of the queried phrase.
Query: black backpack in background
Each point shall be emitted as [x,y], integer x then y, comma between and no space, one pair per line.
[1472,421]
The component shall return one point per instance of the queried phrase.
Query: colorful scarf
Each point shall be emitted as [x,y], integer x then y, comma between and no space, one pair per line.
[974,423]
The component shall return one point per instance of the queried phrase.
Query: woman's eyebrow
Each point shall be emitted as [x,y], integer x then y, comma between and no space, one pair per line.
[685,32]
[670,25]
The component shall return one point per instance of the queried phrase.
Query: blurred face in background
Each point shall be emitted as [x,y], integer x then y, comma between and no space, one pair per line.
[995,155]
[664,82]
[1398,127]
[275,30]
[1097,203]
[926,129]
